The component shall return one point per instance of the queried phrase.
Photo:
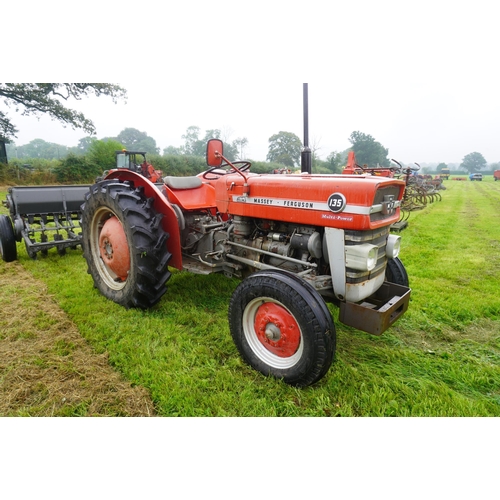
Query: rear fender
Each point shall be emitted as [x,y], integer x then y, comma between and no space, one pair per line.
[161,205]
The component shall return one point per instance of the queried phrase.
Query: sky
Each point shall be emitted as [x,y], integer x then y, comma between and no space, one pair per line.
[419,77]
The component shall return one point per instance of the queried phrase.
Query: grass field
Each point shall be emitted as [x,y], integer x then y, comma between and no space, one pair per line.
[441,359]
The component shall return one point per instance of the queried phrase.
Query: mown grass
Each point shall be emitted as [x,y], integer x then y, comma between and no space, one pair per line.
[46,367]
[441,359]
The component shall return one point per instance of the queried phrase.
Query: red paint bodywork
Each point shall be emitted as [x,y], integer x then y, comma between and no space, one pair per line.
[114,249]
[161,205]
[307,188]
[273,197]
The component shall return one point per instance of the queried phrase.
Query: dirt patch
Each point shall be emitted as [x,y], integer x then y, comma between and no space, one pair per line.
[46,367]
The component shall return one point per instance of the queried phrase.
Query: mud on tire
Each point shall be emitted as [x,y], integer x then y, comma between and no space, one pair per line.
[145,281]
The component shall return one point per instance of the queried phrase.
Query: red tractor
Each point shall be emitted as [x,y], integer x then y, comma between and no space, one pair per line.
[130,160]
[295,241]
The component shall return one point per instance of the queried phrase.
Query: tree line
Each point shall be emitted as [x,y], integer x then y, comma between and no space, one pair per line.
[41,162]
[91,156]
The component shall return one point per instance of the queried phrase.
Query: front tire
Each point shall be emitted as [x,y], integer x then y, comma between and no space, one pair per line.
[282,327]
[395,272]
[8,248]
[124,244]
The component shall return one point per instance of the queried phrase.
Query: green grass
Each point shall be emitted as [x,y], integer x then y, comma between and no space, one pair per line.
[441,359]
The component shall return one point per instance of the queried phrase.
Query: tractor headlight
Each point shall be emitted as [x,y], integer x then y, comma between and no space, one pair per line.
[393,246]
[361,257]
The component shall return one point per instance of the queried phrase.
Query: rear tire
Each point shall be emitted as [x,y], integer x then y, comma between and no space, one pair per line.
[8,248]
[144,281]
[282,327]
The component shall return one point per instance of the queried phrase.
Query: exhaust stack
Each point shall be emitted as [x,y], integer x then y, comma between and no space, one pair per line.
[305,156]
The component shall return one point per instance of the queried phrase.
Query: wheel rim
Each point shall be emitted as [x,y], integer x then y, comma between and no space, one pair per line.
[109,248]
[114,249]
[272,333]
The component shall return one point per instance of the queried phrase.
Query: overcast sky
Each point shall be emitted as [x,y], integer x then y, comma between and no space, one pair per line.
[420,77]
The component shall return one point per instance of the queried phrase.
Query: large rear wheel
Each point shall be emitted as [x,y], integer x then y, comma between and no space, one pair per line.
[124,244]
[282,327]
[8,248]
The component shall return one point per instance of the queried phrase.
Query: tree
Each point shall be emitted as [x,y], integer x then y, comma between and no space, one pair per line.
[134,140]
[50,98]
[315,147]
[368,151]
[77,169]
[473,162]
[440,167]
[192,144]
[240,144]
[37,148]
[102,154]
[213,133]
[494,166]
[334,160]
[171,150]
[285,148]
[83,145]
[231,150]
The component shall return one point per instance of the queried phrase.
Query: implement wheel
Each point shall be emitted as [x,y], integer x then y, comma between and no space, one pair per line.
[282,327]
[124,244]
[8,248]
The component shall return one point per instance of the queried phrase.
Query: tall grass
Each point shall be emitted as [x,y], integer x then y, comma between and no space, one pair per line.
[441,359]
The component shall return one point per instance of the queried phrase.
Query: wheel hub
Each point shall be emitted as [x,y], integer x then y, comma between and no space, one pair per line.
[272,332]
[113,248]
[277,329]
[107,248]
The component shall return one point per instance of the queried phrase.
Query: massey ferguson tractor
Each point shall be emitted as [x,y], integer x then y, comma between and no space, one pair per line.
[295,241]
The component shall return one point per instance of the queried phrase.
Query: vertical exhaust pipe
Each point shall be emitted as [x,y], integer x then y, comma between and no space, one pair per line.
[305,155]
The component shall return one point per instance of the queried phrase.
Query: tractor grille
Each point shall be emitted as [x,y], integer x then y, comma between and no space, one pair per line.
[376,237]
[382,195]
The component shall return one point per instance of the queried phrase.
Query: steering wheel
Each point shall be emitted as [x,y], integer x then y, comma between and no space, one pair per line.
[223,169]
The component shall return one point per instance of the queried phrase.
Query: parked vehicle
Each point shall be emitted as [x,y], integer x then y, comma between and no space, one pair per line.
[496,175]
[476,177]
[445,173]
[296,241]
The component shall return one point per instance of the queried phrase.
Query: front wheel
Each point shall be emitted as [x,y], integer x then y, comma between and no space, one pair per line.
[124,244]
[395,272]
[282,327]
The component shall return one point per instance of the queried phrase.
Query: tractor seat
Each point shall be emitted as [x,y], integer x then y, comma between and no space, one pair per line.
[182,182]
[190,193]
